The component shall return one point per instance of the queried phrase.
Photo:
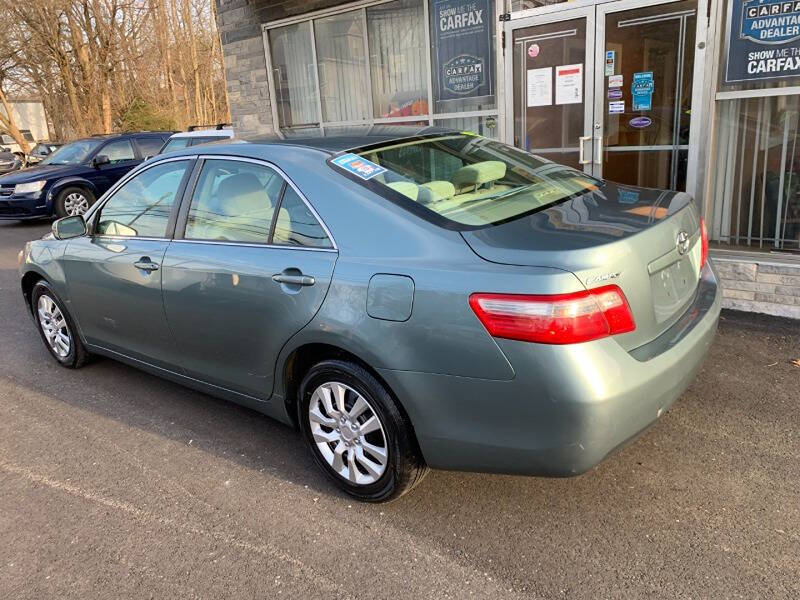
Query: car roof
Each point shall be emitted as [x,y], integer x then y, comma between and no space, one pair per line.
[220,133]
[329,141]
[108,136]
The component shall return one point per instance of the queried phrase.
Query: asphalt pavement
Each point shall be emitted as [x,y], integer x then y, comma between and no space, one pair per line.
[116,484]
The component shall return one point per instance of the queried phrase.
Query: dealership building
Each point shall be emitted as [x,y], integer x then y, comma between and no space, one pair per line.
[700,96]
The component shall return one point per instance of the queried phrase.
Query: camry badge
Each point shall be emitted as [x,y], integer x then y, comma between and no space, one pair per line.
[603,277]
[682,242]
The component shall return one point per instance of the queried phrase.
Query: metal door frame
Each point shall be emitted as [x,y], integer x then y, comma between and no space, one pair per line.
[595,12]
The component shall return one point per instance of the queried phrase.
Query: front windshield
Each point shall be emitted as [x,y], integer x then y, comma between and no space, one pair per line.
[467,179]
[72,154]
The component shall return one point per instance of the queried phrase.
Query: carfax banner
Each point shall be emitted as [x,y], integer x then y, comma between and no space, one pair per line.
[462,43]
[763,40]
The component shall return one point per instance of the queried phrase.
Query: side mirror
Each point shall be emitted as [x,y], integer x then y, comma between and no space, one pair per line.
[69,227]
[100,160]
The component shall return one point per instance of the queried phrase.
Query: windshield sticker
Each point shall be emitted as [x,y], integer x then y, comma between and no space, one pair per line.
[361,167]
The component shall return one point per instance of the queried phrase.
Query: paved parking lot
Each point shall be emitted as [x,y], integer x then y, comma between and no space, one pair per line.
[116,484]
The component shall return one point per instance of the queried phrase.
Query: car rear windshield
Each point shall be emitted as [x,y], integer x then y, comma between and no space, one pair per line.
[463,181]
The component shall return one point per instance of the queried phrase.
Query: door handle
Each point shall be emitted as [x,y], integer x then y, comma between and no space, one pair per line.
[293,279]
[581,152]
[598,150]
[145,264]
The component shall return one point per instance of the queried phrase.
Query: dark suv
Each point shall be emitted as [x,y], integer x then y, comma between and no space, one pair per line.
[69,180]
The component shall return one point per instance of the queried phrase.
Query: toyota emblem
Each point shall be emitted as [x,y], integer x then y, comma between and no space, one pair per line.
[683,242]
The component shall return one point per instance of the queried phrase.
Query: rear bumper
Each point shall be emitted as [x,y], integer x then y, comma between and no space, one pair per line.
[567,408]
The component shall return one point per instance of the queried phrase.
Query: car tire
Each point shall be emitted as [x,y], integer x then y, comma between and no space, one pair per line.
[359,470]
[73,201]
[56,327]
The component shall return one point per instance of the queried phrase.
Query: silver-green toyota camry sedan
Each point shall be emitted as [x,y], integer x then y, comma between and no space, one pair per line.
[409,299]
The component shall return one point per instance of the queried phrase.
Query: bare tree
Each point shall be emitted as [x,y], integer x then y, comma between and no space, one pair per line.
[104,65]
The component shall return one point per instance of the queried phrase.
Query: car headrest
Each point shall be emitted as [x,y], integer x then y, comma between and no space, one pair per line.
[434,191]
[406,188]
[479,173]
[242,193]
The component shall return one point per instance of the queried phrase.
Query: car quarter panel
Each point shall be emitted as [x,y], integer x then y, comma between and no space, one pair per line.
[41,258]
[567,408]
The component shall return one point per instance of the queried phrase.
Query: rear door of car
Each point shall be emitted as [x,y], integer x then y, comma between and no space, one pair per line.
[249,267]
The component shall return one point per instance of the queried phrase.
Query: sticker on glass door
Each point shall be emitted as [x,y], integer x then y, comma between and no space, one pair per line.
[616,108]
[642,88]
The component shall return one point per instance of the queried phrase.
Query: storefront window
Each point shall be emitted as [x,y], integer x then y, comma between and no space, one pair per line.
[342,67]
[755,174]
[756,180]
[293,74]
[398,68]
[384,62]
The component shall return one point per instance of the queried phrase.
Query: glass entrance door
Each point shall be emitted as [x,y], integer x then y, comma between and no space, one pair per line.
[624,113]
[553,103]
[648,56]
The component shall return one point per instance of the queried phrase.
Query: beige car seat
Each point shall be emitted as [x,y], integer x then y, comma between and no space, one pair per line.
[242,213]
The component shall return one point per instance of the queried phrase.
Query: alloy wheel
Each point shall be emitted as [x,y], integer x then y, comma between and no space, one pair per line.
[75,204]
[54,326]
[348,433]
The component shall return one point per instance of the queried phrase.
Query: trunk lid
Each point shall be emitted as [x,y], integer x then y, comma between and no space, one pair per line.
[643,240]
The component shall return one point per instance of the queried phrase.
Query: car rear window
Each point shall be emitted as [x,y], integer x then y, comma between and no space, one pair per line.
[462,181]
[149,146]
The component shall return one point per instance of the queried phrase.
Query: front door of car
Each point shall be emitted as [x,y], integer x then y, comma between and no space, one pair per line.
[250,267]
[114,273]
[121,159]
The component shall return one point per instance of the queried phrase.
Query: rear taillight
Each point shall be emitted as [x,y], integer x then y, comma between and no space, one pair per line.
[703,243]
[555,319]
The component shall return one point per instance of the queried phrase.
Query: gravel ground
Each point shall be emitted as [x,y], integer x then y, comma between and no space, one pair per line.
[116,484]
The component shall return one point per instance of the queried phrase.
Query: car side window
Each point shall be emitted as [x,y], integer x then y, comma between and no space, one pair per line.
[202,140]
[296,224]
[149,146]
[118,151]
[175,144]
[233,201]
[141,206]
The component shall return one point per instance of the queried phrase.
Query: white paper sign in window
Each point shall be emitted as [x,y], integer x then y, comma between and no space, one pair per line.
[569,84]
[540,87]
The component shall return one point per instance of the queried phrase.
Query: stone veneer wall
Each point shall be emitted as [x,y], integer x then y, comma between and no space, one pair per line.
[760,286]
[239,23]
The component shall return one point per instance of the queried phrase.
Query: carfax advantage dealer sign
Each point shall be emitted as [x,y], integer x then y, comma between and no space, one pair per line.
[462,48]
[763,40]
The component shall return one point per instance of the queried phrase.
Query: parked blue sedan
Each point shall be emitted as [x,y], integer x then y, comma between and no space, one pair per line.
[407,298]
[68,181]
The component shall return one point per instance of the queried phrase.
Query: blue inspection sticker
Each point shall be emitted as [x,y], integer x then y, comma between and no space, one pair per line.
[358,166]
